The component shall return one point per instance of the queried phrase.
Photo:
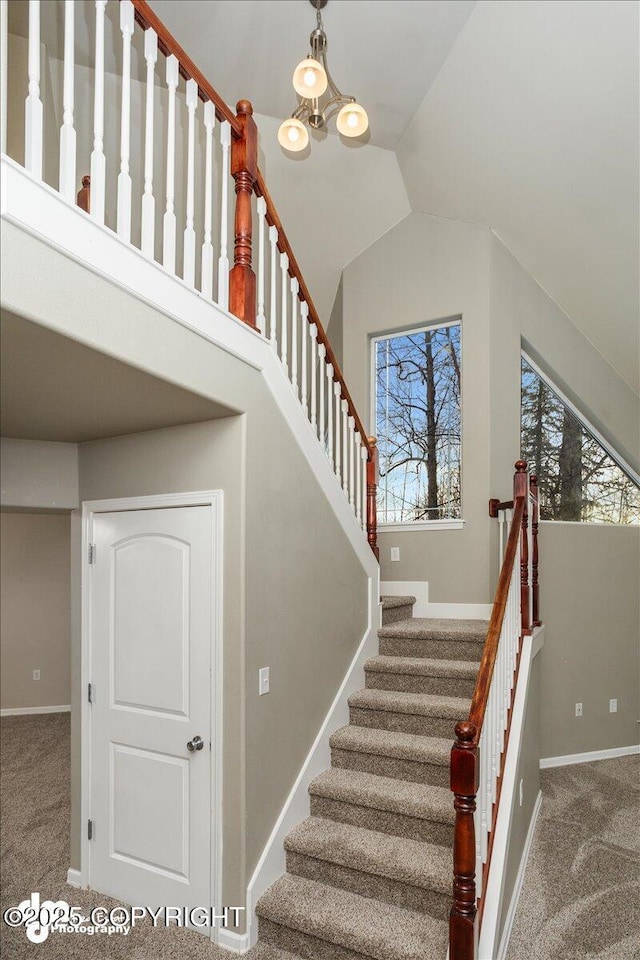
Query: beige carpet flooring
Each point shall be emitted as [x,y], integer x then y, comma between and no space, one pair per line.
[581,894]
[34,852]
[580,898]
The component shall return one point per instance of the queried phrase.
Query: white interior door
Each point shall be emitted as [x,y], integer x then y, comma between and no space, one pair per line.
[151,627]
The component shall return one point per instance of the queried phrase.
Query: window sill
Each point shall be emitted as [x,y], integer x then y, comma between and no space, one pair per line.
[420,525]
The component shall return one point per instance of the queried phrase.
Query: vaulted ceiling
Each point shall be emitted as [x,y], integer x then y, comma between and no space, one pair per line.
[518,114]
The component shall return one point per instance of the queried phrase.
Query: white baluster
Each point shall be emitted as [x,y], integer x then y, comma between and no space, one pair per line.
[338,445]
[295,287]
[189,249]
[98,162]
[345,446]
[357,440]
[261,206]
[223,261]
[329,444]
[33,103]
[322,352]
[363,490]
[273,281]
[481,835]
[304,351]
[207,246]
[313,334]
[352,456]
[124,178]
[4,77]
[284,332]
[148,208]
[169,219]
[67,130]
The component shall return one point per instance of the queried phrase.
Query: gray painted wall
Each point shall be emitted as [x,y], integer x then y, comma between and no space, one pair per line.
[292,554]
[423,270]
[39,475]
[590,598]
[34,610]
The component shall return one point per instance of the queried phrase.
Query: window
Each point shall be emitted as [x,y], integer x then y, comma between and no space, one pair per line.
[417,416]
[577,478]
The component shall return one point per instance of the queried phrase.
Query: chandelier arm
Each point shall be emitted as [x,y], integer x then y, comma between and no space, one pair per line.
[335,90]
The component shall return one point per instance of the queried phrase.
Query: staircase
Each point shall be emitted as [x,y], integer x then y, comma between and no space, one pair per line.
[369,873]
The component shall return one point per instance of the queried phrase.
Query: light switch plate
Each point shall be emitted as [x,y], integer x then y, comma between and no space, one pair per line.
[395,553]
[263,681]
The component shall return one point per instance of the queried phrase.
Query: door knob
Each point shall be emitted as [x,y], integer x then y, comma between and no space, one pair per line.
[196,744]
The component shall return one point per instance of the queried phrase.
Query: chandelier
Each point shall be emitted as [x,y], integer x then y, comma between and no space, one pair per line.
[318,96]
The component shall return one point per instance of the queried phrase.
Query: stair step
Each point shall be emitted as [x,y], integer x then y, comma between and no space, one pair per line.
[421,713]
[396,609]
[434,639]
[390,603]
[407,873]
[321,922]
[264,951]
[403,756]
[455,678]
[413,810]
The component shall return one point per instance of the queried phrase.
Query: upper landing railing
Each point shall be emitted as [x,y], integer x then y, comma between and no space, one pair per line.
[163,149]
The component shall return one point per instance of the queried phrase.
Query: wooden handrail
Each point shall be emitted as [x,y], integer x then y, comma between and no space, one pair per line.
[170,46]
[294,271]
[489,653]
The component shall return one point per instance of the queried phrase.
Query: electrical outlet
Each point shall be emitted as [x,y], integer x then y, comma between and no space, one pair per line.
[521,791]
[578,709]
[395,553]
[613,706]
[36,674]
[263,681]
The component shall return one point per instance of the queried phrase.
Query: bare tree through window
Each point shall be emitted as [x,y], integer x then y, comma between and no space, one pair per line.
[417,406]
[577,478]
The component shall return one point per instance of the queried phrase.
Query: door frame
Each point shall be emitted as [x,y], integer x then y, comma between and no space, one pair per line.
[90,510]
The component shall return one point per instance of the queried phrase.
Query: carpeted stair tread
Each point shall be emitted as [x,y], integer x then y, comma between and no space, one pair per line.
[387,743]
[424,704]
[421,666]
[390,603]
[368,851]
[264,951]
[370,927]
[420,628]
[385,793]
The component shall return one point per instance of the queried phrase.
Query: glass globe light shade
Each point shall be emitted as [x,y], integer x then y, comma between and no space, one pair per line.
[293,135]
[352,121]
[310,79]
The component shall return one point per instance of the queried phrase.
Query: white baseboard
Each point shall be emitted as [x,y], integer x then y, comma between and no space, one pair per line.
[296,808]
[234,942]
[73,877]
[517,888]
[589,756]
[24,711]
[436,611]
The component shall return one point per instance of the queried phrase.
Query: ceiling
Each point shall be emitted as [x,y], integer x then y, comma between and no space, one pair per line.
[52,388]
[531,127]
[386,53]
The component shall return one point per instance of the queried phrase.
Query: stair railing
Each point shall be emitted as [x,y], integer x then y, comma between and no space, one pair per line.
[214,259]
[479,752]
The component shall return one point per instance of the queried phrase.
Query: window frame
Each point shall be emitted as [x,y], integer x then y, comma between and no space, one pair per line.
[405,526]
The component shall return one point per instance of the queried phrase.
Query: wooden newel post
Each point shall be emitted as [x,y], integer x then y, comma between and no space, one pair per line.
[535,519]
[463,935]
[521,489]
[372,497]
[83,200]
[244,170]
